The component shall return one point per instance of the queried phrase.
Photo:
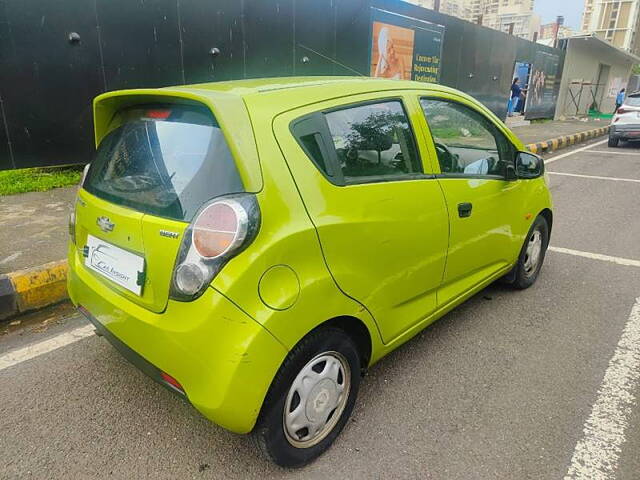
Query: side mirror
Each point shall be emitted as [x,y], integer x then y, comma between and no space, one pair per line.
[529,165]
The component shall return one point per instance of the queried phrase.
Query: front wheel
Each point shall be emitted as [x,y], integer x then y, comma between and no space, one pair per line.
[531,258]
[310,399]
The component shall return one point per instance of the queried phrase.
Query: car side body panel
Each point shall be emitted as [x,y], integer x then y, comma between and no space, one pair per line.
[384,242]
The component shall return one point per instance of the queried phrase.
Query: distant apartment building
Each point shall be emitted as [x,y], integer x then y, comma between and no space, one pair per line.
[455,8]
[549,32]
[616,21]
[515,17]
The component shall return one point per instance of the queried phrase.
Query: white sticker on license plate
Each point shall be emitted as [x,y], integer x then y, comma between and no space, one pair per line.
[121,267]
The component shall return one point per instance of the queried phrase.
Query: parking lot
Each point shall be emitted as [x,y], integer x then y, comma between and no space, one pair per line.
[534,384]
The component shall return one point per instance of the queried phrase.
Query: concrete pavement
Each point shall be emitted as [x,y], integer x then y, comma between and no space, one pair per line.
[500,388]
[34,228]
[540,132]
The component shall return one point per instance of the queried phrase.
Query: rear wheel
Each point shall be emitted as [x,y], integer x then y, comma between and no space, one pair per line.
[613,141]
[310,399]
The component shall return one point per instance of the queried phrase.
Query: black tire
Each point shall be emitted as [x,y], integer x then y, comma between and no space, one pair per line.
[523,276]
[613,141]
[270,434]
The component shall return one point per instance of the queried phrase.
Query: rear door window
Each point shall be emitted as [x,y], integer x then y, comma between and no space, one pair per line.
[373,140]
[165,160]
[362,143]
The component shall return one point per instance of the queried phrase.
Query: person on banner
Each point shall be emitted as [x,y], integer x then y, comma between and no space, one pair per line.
[620,100]
[390,64]
[515,96]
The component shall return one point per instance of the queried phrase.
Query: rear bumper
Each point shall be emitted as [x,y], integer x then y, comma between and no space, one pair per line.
[223,359]
[132,356]
[625,131]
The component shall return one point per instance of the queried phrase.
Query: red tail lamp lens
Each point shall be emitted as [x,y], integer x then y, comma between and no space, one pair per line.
[623,110]
[219,228]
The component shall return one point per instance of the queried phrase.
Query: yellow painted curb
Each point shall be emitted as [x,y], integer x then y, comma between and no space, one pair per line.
[40,286]
[565,141]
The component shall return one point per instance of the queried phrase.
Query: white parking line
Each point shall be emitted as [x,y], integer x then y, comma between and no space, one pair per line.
[597,453]
[608,152]
[573,152]
[597,256]
[596,177]
[35,350]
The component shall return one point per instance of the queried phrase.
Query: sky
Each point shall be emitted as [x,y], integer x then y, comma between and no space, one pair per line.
[570,9]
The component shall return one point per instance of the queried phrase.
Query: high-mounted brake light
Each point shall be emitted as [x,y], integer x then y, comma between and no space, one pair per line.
[219,232]
[157,114]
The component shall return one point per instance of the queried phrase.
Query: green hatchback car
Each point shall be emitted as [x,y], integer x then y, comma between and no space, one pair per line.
[256,245]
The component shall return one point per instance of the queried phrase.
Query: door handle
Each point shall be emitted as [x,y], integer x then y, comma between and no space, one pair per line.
[464,209]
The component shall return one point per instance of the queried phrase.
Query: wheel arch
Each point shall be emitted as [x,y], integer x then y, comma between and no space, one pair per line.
[547,214]
[357,330]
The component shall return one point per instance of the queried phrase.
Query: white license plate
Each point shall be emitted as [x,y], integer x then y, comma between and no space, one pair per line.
[121,267]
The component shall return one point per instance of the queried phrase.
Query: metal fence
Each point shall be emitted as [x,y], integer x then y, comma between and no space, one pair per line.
[55,56]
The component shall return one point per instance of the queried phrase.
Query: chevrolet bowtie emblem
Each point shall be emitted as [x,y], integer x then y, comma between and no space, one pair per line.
[105,224]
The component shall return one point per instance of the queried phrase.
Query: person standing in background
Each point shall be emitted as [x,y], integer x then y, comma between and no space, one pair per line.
[619,100]
[515,96]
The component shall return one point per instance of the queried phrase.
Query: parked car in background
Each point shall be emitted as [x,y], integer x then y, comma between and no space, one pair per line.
[256,245]
[625,124]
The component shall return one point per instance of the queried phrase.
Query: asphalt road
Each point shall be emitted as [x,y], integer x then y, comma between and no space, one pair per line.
[511,385]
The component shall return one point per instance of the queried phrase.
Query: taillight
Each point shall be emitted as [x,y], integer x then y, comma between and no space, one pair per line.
[221,230]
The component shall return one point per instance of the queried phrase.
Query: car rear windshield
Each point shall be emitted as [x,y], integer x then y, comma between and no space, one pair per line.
[633,101]
[165,160]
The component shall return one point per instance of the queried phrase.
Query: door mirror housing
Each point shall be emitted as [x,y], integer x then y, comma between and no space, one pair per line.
[529,165]
[510,174]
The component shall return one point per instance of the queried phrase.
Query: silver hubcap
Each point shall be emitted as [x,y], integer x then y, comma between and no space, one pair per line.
[532,254]
[316,399]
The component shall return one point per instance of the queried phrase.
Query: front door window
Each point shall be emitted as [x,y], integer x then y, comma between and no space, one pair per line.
[467,143]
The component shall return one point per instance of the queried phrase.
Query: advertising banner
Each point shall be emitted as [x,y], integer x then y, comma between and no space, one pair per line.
[542,94]
[405,48]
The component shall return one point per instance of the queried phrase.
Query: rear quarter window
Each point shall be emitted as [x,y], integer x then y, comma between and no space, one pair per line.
[165,160]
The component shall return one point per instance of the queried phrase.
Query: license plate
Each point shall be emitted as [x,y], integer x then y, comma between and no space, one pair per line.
[121,267]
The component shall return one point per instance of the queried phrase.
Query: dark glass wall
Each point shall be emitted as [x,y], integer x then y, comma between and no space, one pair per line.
[56,56]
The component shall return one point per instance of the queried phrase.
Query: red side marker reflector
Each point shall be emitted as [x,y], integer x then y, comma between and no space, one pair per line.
[158,114]
[171,381]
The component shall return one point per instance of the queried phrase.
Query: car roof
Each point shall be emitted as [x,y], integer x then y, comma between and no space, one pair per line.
[284,93]
[288,84]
